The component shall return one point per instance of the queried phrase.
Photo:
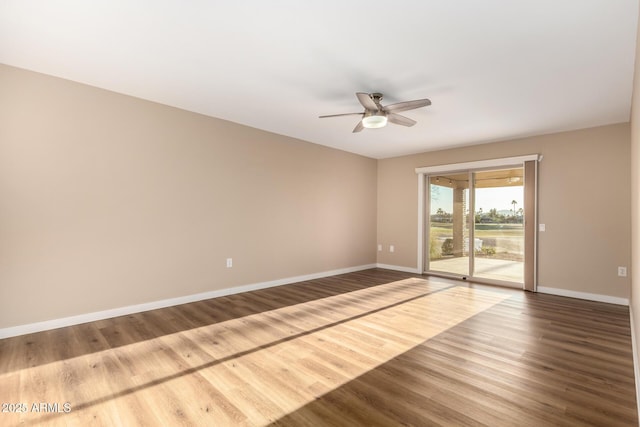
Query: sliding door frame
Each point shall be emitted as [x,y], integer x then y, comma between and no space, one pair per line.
[528,163]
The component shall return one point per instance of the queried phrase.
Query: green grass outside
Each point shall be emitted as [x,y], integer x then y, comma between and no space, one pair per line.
[507,239]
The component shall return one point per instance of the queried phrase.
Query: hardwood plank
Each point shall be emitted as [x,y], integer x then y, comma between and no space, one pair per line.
[369,348]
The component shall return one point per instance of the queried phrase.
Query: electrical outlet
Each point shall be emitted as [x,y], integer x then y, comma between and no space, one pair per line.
[379,248]
[229,262]
[542,227]
[622,271]
[392,248]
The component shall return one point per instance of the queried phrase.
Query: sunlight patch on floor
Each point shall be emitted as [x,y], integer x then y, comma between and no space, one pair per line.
[250,370]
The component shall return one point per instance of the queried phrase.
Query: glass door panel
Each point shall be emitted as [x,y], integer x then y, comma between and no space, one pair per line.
[449,224]
[498,225]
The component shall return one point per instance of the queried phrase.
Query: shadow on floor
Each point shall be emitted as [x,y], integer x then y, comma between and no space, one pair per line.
[65,343]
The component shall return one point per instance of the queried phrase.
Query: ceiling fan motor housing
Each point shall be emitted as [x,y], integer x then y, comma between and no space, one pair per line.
[377,97]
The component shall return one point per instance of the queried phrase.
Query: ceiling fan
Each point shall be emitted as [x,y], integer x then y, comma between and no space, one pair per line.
[376,115]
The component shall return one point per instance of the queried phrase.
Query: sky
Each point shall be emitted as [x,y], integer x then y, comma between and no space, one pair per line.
[486,198]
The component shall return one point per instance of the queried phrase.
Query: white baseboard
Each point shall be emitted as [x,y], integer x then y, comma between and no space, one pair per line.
[583,295]
[123,311]
[634,349]
[544,290]
[398,268]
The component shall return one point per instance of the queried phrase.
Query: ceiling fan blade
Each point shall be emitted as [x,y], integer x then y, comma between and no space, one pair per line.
[400,120]
[366,101]
[339,115]
[407,105]
[358,127]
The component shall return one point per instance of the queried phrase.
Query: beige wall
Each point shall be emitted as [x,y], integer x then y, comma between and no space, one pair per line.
[635,207]
[583,200]
[108,201]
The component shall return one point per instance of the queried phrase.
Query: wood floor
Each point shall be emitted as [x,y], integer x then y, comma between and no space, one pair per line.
[374,348]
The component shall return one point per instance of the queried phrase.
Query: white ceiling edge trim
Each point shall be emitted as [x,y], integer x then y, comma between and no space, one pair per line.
[480,164]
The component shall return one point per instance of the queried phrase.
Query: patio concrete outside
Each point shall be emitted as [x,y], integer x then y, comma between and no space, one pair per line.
[486,268]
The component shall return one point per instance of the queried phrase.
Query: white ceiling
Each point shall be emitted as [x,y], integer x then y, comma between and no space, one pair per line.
[494,69]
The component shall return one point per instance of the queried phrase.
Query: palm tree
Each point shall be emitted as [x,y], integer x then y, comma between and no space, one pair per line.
[514,203]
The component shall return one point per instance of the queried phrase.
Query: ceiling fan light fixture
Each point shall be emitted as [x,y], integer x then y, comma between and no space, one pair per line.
[375,121]
[376,115]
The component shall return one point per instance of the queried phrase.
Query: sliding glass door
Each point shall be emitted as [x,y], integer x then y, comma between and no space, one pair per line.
[499,225]
[476,224]
[449,224]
